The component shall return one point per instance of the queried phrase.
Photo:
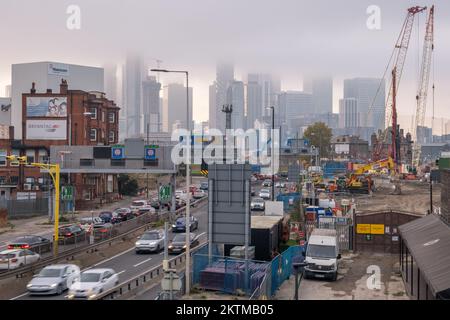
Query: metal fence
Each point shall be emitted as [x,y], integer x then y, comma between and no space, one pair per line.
[342,225]
[25,208]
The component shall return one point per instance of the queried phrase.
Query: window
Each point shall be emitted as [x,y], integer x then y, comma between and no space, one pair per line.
[93,113]
[29,180]
[3,154]
[15,152]
[42,156]
[93,135]
[112,137]
[31,153]
[14,179]
[112,117]
[2,180]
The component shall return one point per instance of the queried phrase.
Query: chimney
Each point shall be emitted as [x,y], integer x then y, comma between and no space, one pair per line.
[49,90]
[33,87]
[63,87]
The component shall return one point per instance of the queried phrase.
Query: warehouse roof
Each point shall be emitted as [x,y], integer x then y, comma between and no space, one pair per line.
[428,240]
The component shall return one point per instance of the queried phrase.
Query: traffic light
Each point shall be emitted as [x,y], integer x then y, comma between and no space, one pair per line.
[204,168]
[21,160]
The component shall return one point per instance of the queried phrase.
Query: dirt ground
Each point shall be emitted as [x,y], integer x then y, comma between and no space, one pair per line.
[356,281]
[415,197]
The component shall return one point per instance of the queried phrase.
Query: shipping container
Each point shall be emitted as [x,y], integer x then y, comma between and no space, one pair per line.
[266,235]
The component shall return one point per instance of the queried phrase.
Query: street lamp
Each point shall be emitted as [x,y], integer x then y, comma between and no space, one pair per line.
[188,178]
[272,151]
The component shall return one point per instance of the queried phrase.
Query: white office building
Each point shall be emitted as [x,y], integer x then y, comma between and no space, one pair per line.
[254,103]
[348,113]
[48,75]
[150,104]
[235,97]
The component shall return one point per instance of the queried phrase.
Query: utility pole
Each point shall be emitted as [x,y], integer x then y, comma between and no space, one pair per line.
[228,110]
[148,138]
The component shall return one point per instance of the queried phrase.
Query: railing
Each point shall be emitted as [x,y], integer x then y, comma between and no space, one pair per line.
[89,249]
[130,286]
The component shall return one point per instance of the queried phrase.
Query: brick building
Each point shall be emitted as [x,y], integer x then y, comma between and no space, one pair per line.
[350,147]
[70,117]
[385,149]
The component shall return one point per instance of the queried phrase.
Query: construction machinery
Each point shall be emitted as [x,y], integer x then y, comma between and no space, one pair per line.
[360,180]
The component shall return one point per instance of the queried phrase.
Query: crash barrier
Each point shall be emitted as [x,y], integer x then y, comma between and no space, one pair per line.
[123,229]
[131,286]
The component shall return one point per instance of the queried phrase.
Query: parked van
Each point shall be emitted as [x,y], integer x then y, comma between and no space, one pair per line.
[322,255]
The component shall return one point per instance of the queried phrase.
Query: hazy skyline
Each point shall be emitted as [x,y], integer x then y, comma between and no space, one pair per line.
[290,38]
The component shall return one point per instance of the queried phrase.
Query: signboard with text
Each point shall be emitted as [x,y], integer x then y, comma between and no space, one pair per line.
[117,152]
[46,129]
[150,152]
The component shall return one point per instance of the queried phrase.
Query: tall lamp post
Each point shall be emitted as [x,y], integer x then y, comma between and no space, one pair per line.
[272,151]
[188,180]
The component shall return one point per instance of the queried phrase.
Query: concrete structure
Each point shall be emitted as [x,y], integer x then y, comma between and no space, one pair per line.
[367,92]
[424,135]
[174,106]
[321,89]
[150,104]
[293,105]
[254,103]
[133,76]
[235,97]
[348,113]
[430,152]
[350,147]
[8,91]
[48,75]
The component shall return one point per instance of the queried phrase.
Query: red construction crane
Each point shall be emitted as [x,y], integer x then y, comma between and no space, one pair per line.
[422,92]
[400,50]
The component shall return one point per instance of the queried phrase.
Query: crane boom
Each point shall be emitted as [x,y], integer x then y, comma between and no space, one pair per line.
[401,48]
[422,92]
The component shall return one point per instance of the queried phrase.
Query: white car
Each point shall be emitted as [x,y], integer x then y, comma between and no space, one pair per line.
[198,194]
[137,204]
[54,279]
[150,241]
[15,258]
[93,282]
[86,223]
[264,193]
[257,204]
[280,185]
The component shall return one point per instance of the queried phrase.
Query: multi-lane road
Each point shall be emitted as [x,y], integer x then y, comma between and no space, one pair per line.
[128,264]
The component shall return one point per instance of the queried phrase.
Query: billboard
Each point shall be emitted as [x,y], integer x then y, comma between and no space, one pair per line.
[46,129]
[342,148]
[55,107]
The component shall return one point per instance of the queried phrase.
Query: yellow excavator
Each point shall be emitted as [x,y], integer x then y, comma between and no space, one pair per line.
[360,180]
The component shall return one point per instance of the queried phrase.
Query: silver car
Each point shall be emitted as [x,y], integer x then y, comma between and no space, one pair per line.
[54,279]
[150,241]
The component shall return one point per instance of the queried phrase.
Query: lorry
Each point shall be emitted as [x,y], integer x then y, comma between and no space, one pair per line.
[322,255]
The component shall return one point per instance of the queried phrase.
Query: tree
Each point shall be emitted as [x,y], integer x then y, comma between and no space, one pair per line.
[319,136]
[127,186]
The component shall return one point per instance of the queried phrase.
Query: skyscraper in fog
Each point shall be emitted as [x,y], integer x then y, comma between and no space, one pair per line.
[294,104]
[133,94]
[224,77]
[235,97]
[212,106]
[321,89]
[254,103]
[174,107]
[370,99]
[150,104]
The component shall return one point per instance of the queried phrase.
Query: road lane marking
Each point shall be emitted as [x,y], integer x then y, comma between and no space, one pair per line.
[138,264]
[22,295]
[113,257]
[121,272]
[201,234]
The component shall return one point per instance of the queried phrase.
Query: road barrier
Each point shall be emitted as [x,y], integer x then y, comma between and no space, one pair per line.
[130,286]
[142,222]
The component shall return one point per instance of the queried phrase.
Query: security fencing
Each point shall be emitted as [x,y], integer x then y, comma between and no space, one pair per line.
[25,208]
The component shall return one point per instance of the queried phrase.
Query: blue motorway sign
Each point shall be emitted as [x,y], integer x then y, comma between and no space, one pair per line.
[117,152]
[150,153]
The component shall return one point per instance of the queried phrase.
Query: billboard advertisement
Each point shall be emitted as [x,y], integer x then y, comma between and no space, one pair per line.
[342,148]
[55,107]
[46,129]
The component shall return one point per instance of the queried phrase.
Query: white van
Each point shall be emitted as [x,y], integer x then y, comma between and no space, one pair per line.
[322,255]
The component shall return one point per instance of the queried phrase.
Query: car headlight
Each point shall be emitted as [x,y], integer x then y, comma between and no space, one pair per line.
[54,285]
[137,243]
[29,285]
[173,226]
[171,246]
[184,247]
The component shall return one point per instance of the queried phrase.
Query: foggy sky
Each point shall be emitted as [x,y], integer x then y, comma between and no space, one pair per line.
[286,37]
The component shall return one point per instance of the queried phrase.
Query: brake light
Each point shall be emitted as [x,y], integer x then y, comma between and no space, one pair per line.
[14,260]
[10,247]
[25,246]
[68,234]
[103,230]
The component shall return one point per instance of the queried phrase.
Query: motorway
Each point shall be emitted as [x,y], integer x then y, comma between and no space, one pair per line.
[128,264]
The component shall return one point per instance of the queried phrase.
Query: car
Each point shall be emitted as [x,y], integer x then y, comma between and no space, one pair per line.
[253,179]
[280,185]
[93,282]
[54,279]
[86,223]
[150,241]
[124,213]
[180,224]
[71,232]
[106,216]
[267,183]
[199,194]
[137,204]
[16,258]
[103,230]
[34,243]
[257,204]
[178,244]
[155,204]
[252,192]
[180,194]
[204,186]
[264,193]
[144,210]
